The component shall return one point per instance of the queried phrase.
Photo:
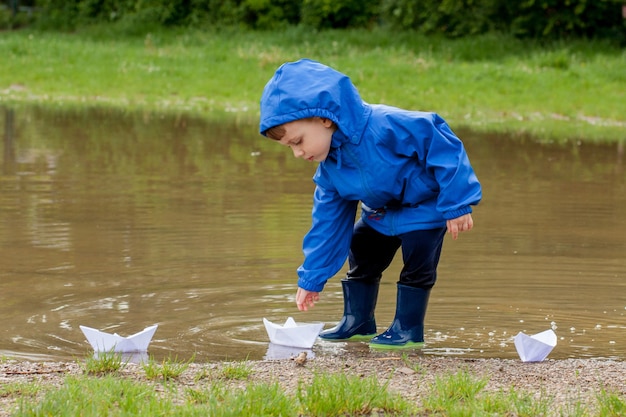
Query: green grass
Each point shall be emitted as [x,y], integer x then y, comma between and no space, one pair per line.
[611,404]
[462,394]
[230,390]
[561,90]
[20,390]
[105,396]
[341,395]
[104,363]
[260,399]
[332,394]
[235,370]
[169,368]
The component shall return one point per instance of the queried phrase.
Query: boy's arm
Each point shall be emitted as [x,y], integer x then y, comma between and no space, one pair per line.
[326,245]
[459,188]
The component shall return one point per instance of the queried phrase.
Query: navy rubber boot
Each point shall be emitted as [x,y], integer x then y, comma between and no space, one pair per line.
[359,302]
[407,329]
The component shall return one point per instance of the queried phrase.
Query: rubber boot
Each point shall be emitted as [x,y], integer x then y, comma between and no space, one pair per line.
[359,302]
[407,328]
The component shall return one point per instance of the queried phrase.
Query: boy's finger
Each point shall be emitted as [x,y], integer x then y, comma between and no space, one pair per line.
[454,230]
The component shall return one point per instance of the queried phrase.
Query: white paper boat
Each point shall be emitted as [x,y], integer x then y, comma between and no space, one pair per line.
[107,342]
[535,348]
[293,334]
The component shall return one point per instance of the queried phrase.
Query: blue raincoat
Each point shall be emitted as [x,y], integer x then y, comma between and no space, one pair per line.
[407,168]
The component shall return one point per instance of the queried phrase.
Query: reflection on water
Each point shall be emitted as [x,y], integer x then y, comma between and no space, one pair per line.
[120,221]
[277,352]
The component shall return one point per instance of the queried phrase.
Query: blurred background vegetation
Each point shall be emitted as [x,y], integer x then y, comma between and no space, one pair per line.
[550,19]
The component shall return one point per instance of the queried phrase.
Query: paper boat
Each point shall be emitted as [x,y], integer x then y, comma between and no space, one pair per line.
[535,348]
[293,334]
[107,342]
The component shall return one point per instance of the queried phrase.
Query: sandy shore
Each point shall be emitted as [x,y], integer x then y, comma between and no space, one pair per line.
[565,381]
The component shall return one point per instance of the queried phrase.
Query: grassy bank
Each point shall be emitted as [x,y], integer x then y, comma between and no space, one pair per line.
[383,386]
[556,91]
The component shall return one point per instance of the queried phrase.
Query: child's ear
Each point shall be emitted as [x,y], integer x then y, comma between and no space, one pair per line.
[326,122]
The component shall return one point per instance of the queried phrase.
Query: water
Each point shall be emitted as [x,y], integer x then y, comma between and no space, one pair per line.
[120,221]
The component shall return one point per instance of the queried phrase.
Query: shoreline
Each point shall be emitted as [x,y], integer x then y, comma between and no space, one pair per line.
[564,382]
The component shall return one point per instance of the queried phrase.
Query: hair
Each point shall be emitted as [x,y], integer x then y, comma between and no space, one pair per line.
[276,132]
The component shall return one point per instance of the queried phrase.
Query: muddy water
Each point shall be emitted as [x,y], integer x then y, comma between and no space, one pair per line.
[120,221]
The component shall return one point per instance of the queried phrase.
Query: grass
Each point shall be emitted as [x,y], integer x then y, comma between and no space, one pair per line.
[611,404]
[235,371]
[20,390]
[260,399]
[104,363]
[329,395]
[102,396]
[462,394]
[220,393]
[561,90]
[169,368]
[339,395]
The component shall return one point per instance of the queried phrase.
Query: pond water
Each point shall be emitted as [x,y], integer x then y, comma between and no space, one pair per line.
[118,221]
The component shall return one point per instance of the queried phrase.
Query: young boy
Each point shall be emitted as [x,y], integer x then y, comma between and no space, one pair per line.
[408,170]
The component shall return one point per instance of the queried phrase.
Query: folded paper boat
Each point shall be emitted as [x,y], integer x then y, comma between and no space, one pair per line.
[535,348]
[293,334]
[107,342]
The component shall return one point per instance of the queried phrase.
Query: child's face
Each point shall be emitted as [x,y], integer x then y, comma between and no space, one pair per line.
[309,138]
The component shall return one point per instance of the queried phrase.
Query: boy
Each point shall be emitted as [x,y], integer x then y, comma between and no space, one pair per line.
[408,170]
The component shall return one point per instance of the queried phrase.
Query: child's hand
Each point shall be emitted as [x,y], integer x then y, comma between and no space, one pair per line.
[306,299]
[460,224]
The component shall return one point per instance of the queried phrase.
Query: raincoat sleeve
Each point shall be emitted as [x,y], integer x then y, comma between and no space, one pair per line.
[447,160]
[327,244]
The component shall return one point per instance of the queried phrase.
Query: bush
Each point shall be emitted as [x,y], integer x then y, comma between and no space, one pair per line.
[566,18]
[527,18]
[452,18]
[332,14]
[270,14]
[14,14]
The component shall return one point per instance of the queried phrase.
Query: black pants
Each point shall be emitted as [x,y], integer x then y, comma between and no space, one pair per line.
[372,252]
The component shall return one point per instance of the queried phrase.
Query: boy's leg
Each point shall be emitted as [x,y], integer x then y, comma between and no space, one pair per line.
[370,254]
[421,251]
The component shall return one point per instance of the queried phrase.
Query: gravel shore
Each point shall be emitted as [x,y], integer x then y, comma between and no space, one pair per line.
[565,381]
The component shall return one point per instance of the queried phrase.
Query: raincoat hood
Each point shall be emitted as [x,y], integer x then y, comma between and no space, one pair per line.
[306,88]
